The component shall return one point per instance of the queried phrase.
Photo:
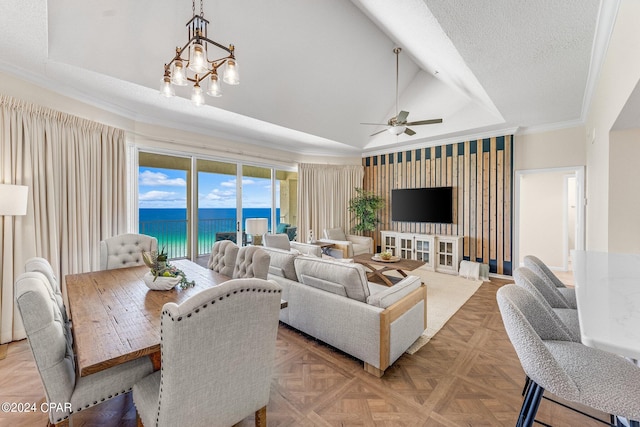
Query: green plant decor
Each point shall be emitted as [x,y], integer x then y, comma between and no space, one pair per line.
[157,263]
[364,206]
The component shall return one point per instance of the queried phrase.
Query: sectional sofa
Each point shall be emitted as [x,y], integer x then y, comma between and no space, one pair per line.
[332,301]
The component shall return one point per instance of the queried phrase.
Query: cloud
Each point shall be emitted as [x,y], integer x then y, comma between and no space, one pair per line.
[167,196]
[154,179]
[232,182]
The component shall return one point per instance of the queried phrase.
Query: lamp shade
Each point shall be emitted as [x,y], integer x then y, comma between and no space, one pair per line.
[13,199]
[256,226]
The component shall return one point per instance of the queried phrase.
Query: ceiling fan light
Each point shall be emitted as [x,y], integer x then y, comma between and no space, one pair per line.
[178,75]
[231,75]
[396,130]
[197,96]
[215,89]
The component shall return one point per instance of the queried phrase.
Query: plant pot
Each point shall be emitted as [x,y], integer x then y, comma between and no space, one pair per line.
[160,283]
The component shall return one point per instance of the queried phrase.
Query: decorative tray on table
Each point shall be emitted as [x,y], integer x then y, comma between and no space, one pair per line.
[393,258]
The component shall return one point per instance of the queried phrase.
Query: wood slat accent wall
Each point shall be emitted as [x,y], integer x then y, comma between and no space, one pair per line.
[481,174]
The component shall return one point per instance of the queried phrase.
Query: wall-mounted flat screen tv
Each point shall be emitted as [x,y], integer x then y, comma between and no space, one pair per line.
[422,205]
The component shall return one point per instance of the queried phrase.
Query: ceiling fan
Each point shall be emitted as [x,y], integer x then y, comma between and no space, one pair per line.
[398,124]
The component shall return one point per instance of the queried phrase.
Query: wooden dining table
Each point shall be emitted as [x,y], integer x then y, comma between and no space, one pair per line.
[116,317]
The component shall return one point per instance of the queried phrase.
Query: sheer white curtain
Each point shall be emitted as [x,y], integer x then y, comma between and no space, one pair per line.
[75,170]
[324,192]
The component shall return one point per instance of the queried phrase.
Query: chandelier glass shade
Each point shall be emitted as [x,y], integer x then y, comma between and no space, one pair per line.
[191,63]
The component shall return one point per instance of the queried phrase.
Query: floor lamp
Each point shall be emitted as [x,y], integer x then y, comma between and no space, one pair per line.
[256,227]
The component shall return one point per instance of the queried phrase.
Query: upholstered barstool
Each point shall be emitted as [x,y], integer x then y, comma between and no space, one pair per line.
[536,265]
[223,257]
[252,261]
[125,250]
[550,299]
[555,363]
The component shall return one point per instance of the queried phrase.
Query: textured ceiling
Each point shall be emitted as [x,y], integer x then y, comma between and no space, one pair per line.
[311,71]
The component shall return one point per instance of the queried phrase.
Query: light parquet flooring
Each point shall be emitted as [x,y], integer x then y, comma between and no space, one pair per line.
[467,375]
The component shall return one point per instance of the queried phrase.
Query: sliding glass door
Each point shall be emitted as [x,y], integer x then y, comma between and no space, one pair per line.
[189,203]
[217,204]
[164,188]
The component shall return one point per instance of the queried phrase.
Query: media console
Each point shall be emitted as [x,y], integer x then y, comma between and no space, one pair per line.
[441,253]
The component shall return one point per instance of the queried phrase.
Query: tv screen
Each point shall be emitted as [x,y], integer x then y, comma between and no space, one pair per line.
[422,205]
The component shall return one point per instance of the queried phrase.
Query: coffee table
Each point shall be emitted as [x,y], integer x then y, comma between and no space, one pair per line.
[379,267]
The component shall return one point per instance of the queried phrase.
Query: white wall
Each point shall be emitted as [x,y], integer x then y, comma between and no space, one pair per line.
[619,76]
[551,149]
[541,231]
[624,191]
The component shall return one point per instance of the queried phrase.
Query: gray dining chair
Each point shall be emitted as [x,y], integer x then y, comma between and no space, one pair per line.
[218,350]
[555,363]
[536,265]
[252,261]
[125,250]
[50,343]
[223,257]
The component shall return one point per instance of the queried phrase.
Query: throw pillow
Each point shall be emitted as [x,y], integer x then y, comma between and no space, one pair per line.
[335,234]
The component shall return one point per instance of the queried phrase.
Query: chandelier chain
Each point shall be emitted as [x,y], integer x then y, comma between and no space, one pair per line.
[201,9]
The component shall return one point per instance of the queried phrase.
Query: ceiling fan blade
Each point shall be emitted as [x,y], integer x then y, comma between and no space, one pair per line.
[402,116]
[424,122]
[377,124]
[380,131]
[409,132]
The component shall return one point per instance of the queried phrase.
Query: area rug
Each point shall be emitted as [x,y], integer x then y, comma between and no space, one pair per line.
[445,295]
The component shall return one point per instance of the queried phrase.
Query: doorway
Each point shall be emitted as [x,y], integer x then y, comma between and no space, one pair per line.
[549,215]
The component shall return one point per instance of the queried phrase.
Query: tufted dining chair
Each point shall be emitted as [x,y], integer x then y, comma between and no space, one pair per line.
[252,261]
[50,343]
[536,265]
[125,250]
[216,360]
[223,257]
[570,370]
[43,266]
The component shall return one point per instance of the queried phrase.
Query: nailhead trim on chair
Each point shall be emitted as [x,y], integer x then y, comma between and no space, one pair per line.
[197,309]
[89,405]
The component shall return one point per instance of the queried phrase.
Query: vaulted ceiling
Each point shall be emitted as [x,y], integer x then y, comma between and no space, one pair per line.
[312,71]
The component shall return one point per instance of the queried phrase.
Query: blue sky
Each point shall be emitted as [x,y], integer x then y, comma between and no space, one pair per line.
[167,188]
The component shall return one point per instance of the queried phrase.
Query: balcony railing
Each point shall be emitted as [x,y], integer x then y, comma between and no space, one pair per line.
[172,234]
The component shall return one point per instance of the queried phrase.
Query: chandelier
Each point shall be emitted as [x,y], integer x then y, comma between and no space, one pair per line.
[192,64]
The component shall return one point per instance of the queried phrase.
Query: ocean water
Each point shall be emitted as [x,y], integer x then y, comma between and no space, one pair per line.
[169,226]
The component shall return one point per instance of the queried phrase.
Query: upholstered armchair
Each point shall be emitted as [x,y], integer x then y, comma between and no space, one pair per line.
[218,349]
[223,257]
[50,341]
[252,261]
[349,244]
[125,250]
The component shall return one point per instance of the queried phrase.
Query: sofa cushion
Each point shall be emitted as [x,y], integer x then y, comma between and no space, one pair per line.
[387,297]
[278,241]
[335,234]
[281,263]
[307,249]
[351,276]
[324,285]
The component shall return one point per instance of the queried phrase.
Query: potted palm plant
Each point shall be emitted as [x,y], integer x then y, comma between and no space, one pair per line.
[365,206]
